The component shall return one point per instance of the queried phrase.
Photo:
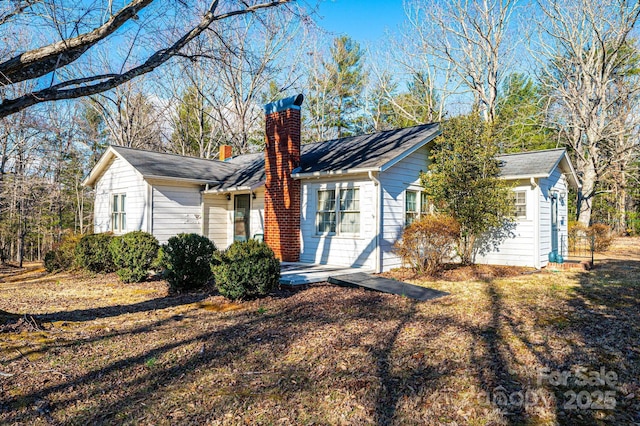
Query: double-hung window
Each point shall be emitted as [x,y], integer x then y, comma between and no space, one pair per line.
[338,211]
[118,213]
[350,211]
[326,213]
[520,201]
[416,204]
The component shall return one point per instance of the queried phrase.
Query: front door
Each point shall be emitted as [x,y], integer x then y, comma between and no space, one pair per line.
[241,213]
[554,222]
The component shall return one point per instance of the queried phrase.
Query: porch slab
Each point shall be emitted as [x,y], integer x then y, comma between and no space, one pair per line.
[386,285]
[298,273]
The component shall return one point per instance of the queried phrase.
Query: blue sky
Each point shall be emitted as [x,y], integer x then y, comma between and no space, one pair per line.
[363,20]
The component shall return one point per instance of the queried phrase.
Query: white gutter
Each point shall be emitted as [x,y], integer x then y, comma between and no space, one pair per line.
[376,182]
[335,173]
[536,226]
[233,189]
[184,180]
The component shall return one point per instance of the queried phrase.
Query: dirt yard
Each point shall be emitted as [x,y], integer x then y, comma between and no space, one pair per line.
[532,348]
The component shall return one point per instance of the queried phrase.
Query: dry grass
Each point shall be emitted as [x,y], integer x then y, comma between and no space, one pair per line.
[88,350]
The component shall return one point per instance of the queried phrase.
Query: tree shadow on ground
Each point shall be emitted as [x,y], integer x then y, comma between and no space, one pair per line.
[596,329]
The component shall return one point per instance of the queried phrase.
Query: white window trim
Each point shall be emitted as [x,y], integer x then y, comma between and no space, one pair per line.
[337,190]
[121,212]
[515,202]
[419,210]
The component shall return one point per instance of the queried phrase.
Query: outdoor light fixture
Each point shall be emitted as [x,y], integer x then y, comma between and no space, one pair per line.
[228,197]
[253,195]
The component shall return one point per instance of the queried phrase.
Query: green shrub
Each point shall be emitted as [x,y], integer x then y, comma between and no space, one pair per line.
[62,256]
[428,242]
[186,259]
[246,269]
[133,254]
[92,253]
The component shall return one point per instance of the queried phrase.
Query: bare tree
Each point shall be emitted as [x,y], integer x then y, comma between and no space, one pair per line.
[236,67]
[130,116]
[466,40]
[584,53]
[68,43]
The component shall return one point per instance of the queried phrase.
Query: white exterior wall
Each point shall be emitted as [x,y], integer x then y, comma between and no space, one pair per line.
[121,178]
[215,220]
[556,182]
[339,250]
[218,217]
[176,209]
[395,181]
[518,244]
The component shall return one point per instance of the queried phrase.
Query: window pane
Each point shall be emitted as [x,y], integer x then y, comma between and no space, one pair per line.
[424,203]
[350,222]
[350,199]
[410,201]
[520,201]
[115,204]
[409,218]
[123,221]
[123,197]
[326,222]
[326,200]
[114,222]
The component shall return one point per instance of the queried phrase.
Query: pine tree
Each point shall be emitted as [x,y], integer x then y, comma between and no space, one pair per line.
[336,90]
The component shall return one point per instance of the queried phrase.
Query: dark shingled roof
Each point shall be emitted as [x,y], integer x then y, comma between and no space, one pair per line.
[356,152]
[527,164]
[365,151]
[159,164]
[370,151]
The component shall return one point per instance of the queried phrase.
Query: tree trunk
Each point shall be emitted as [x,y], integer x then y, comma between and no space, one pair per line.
[585,200]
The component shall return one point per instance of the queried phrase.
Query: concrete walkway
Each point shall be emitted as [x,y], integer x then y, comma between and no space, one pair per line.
[296,273]
[386,285]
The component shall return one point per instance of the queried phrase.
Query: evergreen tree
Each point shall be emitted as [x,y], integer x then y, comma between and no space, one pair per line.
[336,90]
[519,124]
[193,128]
[463,182]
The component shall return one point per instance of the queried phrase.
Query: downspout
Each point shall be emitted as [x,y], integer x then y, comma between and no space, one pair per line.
[376,182]
[536,227]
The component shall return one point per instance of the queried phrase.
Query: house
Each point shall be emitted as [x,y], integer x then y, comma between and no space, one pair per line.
[342,202]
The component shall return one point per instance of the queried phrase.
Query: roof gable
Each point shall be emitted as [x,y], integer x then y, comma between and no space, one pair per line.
[371,152]
[536,164]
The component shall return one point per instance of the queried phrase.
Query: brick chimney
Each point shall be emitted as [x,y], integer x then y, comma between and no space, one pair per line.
[225,152]
[282,192]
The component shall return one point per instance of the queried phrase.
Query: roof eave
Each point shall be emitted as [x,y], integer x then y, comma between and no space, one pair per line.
[179,179]
[235,188]
[100,166]
[525,177]
[329,173]
[410,151]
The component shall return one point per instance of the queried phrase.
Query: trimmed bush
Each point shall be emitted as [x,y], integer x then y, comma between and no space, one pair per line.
[428,242]
[186,259]
[246,269]
[602,236]
[92,253]
[62,256]
[133,254]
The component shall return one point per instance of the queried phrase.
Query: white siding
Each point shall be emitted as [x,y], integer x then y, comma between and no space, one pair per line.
[176,209]
[215,219]
[121,178]
[339,249]
[256,226]
[218,217]
[514,245]
[556,182]
[395,181]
